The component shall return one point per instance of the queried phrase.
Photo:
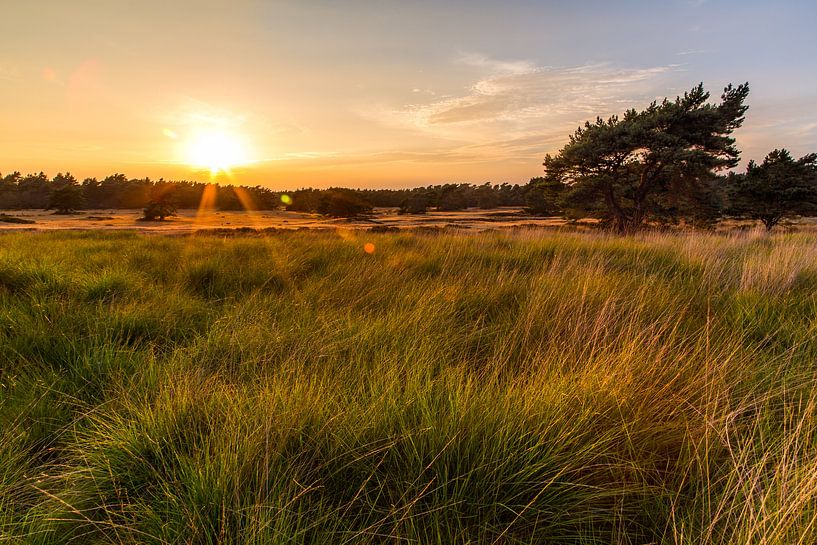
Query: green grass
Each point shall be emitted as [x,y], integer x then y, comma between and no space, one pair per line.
[496,388]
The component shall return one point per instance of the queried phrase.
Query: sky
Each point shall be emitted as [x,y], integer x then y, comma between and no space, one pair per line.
[379,93]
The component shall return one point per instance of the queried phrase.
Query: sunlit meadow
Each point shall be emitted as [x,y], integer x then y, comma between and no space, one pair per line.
[517,387]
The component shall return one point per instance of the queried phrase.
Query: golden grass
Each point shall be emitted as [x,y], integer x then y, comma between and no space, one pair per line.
[525,387]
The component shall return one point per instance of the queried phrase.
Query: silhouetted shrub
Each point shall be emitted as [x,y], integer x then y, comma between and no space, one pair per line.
[14,219]
[162,204]
[415,204]
[342,204]
[66,199]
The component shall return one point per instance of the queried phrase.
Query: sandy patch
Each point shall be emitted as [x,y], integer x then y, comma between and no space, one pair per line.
[385,219]
[191,220]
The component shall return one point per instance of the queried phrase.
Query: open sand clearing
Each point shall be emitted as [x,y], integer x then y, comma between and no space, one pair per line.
[191,220]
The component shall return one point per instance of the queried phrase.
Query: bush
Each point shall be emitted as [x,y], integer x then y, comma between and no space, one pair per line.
[14,219]
[415,204]
[66,199]
[158,211]
[342,204]
[543,197]
[453,200]
[162,204]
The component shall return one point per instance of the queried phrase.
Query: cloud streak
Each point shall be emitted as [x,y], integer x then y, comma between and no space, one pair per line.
[524,94]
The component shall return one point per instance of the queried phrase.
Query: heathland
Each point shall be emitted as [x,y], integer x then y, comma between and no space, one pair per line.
[353,387]
[192,220]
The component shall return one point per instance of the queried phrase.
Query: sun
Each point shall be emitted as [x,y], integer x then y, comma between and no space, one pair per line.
[215,149]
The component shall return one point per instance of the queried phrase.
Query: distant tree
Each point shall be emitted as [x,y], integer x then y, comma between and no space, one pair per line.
[9,195]
[544,196]
[342,203]
[416,203]
[511,195]
[778,188]
[486,197]
[12,178]
[304,200]
[385,198]
[227,199]
[162,203]
[264,198]
[453,197]
[138,192]
[62,180]
[66,199]
[701,205]
[91,192]
[110,190]
[33,191]
[649,165]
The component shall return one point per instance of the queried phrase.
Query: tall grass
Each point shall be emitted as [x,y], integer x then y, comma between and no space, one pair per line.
[497,388]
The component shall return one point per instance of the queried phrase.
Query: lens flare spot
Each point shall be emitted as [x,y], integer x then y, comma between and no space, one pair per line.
[368,248]
[286,199]
[170,134]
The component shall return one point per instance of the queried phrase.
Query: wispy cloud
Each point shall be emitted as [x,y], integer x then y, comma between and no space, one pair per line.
[496,66]
[687,52]
[520,100]
[540,94]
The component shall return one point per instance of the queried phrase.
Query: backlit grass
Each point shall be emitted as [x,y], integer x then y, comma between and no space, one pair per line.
[496,388]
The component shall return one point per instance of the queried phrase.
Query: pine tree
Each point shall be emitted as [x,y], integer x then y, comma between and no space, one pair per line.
[652,165]
[778,188]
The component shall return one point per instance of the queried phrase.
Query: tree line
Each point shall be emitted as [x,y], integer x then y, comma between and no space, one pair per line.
[64,193]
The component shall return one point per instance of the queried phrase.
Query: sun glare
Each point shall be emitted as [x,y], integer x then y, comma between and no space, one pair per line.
[215,149]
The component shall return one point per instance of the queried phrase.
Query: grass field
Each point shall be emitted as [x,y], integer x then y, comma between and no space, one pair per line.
[492,388]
